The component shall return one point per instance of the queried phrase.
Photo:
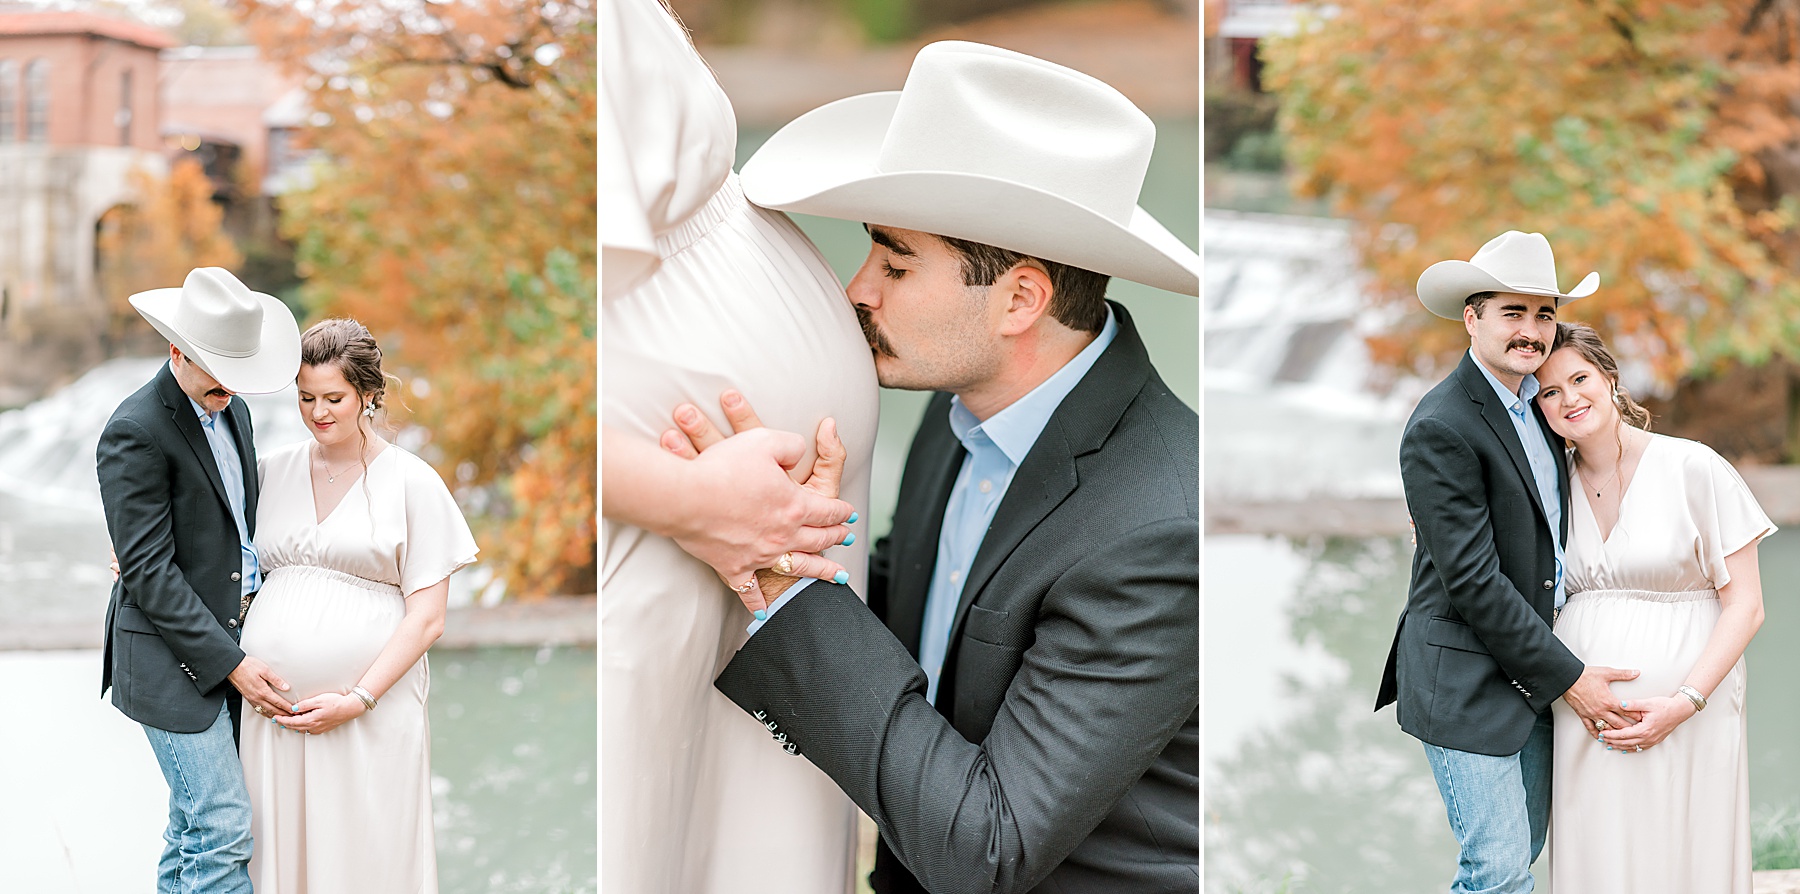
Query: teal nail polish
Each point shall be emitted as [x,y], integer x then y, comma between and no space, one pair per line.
[761,614]
[841,578]
[853,518]
[1624,704]
[849,539]
[1609,748]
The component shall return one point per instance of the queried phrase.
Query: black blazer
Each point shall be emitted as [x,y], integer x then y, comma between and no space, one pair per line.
[1474,660]
[172,624]
[1063,753]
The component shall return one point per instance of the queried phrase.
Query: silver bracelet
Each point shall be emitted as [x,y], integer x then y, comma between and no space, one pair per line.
[1693,695]
[363,694]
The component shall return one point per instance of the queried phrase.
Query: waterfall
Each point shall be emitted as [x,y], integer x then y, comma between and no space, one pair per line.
[47,448]
[1290,414]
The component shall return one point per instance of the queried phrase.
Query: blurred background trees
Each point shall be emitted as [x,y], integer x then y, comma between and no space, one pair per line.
[452,212]
[1655,142]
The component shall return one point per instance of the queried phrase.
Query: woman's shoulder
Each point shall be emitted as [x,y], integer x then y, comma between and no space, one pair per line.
[285,455]
[1687,450]
[411,467]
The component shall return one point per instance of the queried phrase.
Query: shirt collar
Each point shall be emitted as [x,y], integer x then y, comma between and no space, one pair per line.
[1528,387]
[205,417]
[1015,428]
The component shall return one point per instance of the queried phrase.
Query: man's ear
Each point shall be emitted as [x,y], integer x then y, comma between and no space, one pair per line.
[1028,292]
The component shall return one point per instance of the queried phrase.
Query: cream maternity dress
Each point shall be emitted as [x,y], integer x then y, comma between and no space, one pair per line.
[1674,818]
[347,811]
[702,291]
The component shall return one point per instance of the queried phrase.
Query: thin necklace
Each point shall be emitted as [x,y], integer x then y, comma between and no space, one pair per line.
[329,477]
[1609,481]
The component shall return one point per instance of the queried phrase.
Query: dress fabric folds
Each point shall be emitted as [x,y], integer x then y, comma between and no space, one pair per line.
[347,811]
[1674,818]
[705,291]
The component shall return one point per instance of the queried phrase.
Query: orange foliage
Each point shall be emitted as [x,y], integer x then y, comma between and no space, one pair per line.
[454,215]
[152,244]
[1639,137]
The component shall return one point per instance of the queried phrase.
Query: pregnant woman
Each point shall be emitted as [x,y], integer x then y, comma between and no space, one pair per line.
[357,539]
[1662,576]
[702,292]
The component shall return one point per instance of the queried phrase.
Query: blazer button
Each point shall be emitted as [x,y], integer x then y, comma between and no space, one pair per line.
[236,576]
[231,622]
[1548,585]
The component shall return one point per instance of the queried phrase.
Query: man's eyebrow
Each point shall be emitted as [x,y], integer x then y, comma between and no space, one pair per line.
[885,238]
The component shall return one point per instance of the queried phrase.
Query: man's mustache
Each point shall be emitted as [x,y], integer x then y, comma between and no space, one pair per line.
[218,392]
[877,342]
[1527,343]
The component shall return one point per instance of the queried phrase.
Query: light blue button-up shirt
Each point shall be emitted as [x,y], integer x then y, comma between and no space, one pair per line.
[1537,453]
[231,471]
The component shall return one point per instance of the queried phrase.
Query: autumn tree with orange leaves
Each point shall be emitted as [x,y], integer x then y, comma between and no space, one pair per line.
[451,210]
[172,227]
[1656,142]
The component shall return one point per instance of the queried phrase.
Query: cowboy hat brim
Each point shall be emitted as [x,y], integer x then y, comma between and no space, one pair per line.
[1445,286]
[825,163]
[270,369]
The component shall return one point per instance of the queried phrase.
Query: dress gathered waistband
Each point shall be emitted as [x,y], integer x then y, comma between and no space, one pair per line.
[729,198]
[331,574]
[1647,595]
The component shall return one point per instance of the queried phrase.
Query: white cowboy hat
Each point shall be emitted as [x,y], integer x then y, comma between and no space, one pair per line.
[247,340]
[1510,262]
[990,146]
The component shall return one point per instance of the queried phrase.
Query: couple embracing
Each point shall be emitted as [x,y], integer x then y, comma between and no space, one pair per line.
[1571,652]
[304,585]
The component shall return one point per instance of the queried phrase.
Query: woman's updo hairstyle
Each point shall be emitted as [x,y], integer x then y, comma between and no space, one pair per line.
[347,344]
[1586,342]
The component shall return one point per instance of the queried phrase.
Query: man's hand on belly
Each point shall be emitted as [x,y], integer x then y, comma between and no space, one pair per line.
[261,687]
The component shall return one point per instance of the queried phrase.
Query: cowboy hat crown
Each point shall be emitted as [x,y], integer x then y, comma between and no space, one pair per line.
[987,145]
[1510,262]
[248,341]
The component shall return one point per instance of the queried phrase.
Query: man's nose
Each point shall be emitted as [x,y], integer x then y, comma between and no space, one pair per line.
[862,289]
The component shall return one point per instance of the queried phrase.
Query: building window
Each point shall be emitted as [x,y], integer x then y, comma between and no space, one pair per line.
[37,101]
[9,101]
[124,116]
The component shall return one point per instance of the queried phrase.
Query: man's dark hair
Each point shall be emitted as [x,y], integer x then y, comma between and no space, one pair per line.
[1478,301]
[1077,298]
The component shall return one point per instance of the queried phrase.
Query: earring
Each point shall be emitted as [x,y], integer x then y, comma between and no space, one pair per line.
[369,409]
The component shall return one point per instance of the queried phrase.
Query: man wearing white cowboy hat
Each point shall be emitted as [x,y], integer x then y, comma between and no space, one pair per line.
[1474,665]
[177,468]
[1020,710]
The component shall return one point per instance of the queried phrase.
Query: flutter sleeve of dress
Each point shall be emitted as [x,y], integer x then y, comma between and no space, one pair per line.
[437,540]
[666,140]
[1724,510]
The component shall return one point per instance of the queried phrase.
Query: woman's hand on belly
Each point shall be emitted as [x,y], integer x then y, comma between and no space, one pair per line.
[794,533]
[1657,717]
[323,713]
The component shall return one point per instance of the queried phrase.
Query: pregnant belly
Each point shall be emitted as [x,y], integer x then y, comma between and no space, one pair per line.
[320,629]
[1660,639]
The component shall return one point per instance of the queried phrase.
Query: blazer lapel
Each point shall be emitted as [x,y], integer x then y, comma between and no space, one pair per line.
[237,417]
[1499,418]
[181,411]
[937,460]
[1048,475]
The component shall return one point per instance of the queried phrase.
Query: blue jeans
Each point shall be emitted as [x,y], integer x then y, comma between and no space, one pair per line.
[1499,809]
[206,849]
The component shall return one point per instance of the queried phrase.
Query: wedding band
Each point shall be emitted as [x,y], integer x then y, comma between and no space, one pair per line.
[784,565]
[744,588]
[1640,748]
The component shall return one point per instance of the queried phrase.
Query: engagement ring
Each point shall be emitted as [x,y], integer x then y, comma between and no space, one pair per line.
[784,565]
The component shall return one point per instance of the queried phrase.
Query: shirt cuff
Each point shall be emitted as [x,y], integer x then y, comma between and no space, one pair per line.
[780,601]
